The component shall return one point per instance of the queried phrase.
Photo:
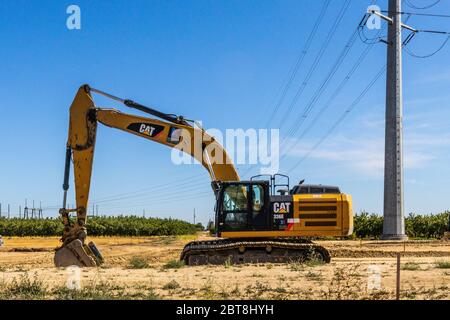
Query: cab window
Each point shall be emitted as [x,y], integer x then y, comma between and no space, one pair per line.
[235,207]
[304,190]
[259,216]
[316,190]
[258,198]
[331,190]
[235,198]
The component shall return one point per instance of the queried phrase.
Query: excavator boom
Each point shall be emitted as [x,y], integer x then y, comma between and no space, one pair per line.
[174,132]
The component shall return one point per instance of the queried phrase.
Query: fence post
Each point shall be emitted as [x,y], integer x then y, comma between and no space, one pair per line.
[398,277]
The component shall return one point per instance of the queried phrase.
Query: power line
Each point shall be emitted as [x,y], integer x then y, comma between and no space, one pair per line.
[142,197]
[298,63]
[316,61]
[365,39]
[159,186]
[311,69]
[320,90]
[341,85]
[162,198]
[348,110]
[346,48]
[418,31]
[408,51]
[417,14]
[433,31]
[156,196]
[362,28]
[340,119]
[362,34]
[169,199]
[139,192]
[168,187]
[411,35]
[335,94]
[413,6]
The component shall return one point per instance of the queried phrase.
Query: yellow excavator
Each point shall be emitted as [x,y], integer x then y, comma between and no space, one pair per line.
[259,220]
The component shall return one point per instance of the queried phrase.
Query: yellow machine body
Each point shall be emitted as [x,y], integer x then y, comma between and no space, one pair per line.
[313,215]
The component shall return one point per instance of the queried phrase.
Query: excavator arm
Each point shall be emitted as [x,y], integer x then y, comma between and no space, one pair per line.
[174,132]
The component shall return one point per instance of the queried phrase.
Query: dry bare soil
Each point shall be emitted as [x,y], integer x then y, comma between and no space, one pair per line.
[148,268]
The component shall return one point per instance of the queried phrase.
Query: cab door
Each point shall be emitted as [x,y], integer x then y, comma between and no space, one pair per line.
[243,207]
[259,210]
[234,207]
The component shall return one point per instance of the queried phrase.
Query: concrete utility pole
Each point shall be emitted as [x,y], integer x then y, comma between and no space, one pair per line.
[394,220]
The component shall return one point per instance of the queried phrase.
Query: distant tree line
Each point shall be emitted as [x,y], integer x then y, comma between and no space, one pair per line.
[366,225]
[100,226]
[430,226]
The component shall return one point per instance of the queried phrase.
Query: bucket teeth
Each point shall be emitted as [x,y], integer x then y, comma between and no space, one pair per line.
[98,256]
[76,254]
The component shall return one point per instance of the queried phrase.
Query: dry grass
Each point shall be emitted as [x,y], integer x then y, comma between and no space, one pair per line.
[24,287]
[344,282]
[150,269]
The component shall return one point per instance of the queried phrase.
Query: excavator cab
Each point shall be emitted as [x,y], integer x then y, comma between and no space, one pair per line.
[247,205]
[243,206]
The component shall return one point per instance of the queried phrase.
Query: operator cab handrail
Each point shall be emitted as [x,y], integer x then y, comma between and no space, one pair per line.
[274,185]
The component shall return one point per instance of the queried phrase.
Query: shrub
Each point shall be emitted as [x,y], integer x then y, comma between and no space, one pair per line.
[443,265]
[411,266]
[174,264]
[138,263]
[172,285]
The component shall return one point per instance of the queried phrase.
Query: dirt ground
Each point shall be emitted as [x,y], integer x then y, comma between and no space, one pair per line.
[146,268]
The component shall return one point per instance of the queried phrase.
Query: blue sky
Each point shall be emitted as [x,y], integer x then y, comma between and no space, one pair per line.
[222,62]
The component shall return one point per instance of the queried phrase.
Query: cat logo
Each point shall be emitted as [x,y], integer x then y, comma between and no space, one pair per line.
[281,207]
[146,129]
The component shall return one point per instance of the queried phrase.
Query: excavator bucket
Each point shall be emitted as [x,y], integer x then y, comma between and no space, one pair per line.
[78,254]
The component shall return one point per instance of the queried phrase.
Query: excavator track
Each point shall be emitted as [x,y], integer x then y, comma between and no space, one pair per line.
[252,251]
